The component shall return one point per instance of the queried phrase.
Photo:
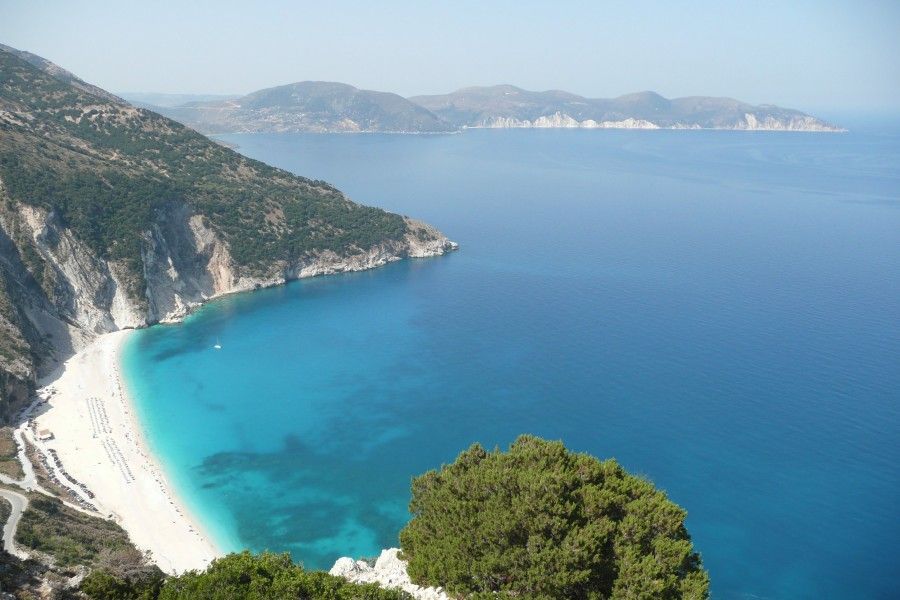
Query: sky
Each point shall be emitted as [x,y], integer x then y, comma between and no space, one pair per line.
[811,55]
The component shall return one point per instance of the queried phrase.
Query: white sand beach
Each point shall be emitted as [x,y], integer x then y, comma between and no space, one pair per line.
[100,445]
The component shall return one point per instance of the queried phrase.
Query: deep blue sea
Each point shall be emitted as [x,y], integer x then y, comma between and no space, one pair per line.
[720,311]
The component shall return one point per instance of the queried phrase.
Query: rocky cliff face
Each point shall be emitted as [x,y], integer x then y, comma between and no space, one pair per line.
[185,262]
[752,122]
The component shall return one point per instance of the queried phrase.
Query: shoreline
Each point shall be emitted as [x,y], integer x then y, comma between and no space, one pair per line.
[96,449]
[99,440]
[216,137]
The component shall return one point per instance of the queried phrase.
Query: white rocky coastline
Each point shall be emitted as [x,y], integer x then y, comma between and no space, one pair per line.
[389,571]
[749,122]
[559,120]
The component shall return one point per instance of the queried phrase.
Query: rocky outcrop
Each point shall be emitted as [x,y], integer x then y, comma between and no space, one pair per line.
[86,291]
[751,122]
[389,571]
[424,240]
[187,264]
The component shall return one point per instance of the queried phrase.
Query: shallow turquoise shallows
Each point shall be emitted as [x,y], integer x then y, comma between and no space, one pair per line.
[718,310]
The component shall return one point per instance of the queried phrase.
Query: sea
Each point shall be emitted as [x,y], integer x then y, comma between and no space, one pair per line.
[717,310]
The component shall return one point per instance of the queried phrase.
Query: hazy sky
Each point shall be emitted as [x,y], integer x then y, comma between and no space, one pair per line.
[823,54]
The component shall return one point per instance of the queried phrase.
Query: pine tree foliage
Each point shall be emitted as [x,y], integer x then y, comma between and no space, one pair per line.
[542,522]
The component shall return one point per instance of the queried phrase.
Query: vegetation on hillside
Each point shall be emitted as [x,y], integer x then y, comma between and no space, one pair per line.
[315,106]
[539,521]
[109,171]
[9,454]
[67,535]
[243,576]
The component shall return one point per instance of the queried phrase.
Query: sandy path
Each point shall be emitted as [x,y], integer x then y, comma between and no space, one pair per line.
[100,445]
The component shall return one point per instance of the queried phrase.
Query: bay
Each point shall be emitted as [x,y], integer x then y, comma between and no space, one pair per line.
[720,311]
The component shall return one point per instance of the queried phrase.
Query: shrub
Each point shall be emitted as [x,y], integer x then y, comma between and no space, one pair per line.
[103,585]
[268,576]
[243,576]
[539,521]
[70,537]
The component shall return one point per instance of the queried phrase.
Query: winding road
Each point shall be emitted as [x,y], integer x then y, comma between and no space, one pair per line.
[18,501]
[19,504]
[29,480]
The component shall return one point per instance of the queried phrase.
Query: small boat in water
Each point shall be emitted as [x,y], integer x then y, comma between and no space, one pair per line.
[218,346]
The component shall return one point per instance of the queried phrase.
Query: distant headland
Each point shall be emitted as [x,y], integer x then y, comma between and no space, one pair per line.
[326,107]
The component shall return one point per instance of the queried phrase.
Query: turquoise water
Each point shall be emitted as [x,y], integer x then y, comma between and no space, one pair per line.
[720,311]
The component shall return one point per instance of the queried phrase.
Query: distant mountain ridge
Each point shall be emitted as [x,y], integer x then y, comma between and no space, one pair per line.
[310,106]
[325,107]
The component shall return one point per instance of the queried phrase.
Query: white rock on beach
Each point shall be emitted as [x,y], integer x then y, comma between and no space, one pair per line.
[389,572]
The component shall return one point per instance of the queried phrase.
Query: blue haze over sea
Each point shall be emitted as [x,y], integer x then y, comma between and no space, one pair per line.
[720,311]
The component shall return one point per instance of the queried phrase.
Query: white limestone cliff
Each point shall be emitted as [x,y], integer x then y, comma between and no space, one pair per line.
[185,264]
[389,571]
[748,122]
[797,123]
[559,120]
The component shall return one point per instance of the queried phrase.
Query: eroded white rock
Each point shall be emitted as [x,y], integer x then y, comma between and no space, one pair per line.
[389,572]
